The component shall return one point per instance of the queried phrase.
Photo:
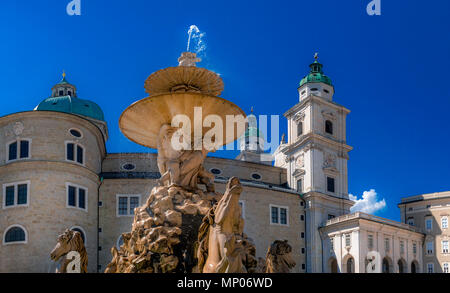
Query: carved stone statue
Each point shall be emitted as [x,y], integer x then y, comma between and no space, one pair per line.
[300,163]
[182,168]
[329,161]
[67,242]
[279,258]
[220,250]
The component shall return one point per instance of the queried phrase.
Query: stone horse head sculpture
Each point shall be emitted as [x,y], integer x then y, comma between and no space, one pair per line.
[69,241]
[219,248]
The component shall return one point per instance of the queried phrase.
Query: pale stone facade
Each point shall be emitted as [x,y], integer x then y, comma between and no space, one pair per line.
[47,173]
[349,241]
[430,213]
[315,154]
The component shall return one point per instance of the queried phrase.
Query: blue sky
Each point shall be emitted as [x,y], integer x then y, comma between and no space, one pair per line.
[391,70]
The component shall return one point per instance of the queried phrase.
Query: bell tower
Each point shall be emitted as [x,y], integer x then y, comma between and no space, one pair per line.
[315,156]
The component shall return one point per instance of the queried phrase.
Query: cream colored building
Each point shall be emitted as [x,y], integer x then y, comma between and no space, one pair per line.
[431,214]
[56,174]
[362,243]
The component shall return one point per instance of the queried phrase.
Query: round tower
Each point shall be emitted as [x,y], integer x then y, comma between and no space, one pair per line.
[49,175]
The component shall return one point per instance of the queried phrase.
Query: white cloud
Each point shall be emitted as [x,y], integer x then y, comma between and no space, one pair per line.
[368,203]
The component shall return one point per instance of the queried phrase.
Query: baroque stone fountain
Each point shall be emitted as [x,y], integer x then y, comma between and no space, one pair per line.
[183,228]
[173,231]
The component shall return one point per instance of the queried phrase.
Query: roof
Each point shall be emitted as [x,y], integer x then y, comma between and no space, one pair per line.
[72,105]
[316,75]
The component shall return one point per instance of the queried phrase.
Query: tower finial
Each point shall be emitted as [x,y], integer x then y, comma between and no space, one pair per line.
[64,74]
[316,56]
[252,110]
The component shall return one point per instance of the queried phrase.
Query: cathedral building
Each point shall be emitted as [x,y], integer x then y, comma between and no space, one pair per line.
[56,174]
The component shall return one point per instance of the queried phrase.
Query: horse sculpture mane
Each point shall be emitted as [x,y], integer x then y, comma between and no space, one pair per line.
[203,239]
[67,242]
[220,248]
[279,258]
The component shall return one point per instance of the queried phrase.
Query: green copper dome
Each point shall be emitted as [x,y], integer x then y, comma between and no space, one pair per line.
[253,132]
[316,74]
[64,99]
[72,105]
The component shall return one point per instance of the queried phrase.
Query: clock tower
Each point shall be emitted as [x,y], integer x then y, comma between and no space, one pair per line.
[315,156]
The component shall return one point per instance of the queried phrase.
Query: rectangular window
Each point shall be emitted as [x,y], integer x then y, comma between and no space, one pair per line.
[414,248]
[444,222]
[77,196]
[274,215]
[430,248]
[80,158]
[72,191]
[74,152]
[283,216]
[81,198]
[70,152]
[331,216]
[445,268]
[123,206]
[348,240]
[387,243]
[279,215]
[12,151]
[370,241]
[126,204]
[430,268]
[19,150]
[302,218]
[429,224]
[411,221]
[302,235]
[134,203]
[24,149]
[300,185]
[22,191]
[9,196]
[15,194]
[299,129]
[445,246]
[330,184]
[402,247]
[332,243]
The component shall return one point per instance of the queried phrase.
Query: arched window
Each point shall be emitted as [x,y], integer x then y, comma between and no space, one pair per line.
[350,266]
[386,266]
[15,234]
[78,229]
[401,266]
[333,266]
[329,127]
[413,268]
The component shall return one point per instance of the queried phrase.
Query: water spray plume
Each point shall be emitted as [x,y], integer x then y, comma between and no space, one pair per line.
[196,36]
